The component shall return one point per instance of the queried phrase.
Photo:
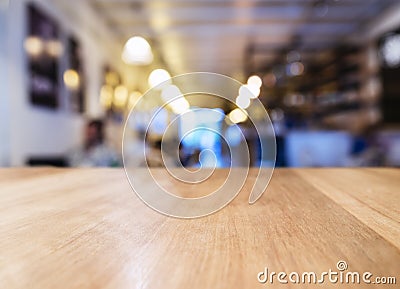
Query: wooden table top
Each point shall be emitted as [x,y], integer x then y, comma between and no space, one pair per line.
[85,228]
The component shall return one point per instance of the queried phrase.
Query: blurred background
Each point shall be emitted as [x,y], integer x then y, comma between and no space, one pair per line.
[327,72]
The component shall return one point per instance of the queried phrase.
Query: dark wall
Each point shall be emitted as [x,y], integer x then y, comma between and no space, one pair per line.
[391,94]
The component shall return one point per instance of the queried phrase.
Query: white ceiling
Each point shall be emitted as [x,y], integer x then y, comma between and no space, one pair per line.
[213,35]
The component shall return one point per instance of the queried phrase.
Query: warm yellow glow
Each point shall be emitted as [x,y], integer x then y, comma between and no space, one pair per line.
[106,96]
[243,101]
[112,78]
[255,91]
[179,105]
[237,116]
[54,48]
[159,21]
[255,81]
[137,51]
[159,76]
[71,79]
[34,46]
[134,98]
[120,96]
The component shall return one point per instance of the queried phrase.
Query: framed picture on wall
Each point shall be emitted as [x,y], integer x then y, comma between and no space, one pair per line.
[113,95]
[43,49]
[74,79]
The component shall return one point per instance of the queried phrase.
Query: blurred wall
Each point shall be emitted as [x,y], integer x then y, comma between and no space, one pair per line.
[36,131]
[4,116]
[390,20]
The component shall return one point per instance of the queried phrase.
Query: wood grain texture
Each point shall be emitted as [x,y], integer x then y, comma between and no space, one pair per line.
[85,228]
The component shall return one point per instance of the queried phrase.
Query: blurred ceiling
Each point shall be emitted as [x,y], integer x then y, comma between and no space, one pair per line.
[217,35]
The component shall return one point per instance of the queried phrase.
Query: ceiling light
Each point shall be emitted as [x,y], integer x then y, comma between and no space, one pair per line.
[242,101]
[391,50]
[249,91]
[255,81]
[120,96]
[137,51]
[71,79]
[159,76]
[237,116]
[106,96]
[34,46]
[134,98]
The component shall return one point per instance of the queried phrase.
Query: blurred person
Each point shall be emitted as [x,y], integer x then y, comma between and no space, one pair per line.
[95,152]
[154,157]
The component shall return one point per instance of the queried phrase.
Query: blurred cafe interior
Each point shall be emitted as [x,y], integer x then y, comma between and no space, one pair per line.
[326,71]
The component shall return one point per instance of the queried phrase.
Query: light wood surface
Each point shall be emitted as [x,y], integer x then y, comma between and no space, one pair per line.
[85,228]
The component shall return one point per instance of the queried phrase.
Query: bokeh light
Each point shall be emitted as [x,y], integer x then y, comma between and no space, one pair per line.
[159,76]
[120,96]
[34,46]
[255,81]
[237,116]
[71,79]
[137,51]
